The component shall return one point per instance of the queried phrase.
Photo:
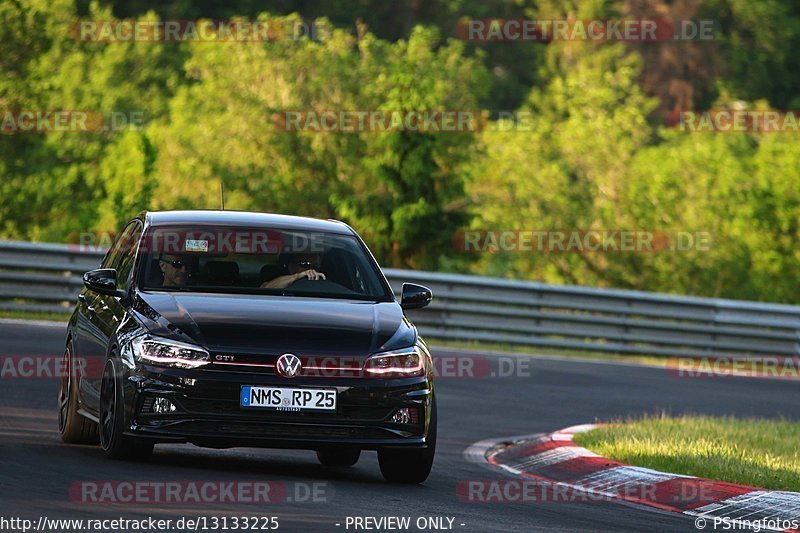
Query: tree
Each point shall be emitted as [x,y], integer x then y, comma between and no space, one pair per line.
[393,186]
[568,169]
[55,183]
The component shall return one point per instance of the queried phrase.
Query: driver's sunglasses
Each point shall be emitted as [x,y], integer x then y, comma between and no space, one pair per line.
[309,264]
[177,265]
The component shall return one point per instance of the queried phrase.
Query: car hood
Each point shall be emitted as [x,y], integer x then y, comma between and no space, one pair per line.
[276,324]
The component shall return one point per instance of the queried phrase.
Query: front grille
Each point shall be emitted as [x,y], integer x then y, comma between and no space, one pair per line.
[311,366]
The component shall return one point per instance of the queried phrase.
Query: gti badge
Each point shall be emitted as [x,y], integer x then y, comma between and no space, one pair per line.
[227,358]
[288,365]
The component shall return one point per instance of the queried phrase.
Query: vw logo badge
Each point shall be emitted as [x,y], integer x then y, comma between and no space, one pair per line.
[288,365]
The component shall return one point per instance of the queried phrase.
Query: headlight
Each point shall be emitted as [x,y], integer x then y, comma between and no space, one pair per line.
[167,352]
[407,362]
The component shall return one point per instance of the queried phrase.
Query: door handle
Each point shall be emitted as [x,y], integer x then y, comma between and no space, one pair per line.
[91,310]
[82,298]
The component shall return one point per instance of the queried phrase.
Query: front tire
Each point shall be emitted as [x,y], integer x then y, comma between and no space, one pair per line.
[115,444]
[74,428]
[339,456]
[410,466]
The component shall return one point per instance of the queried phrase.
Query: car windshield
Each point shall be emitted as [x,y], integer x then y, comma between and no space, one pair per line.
[259,261]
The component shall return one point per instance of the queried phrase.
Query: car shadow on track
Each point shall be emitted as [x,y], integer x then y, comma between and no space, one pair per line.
[197,462]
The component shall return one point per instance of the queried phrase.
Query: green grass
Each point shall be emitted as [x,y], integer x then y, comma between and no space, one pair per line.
[35,315]
[761,453]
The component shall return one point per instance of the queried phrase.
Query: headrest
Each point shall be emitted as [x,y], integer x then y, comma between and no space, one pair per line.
[221,269]
[155,278]
[270,272]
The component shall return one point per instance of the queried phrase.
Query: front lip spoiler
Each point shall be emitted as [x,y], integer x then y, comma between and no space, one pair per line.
[214,440]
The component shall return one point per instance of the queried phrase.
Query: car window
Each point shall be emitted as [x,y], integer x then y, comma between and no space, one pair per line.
[118,249]
[260,260]
[126,256]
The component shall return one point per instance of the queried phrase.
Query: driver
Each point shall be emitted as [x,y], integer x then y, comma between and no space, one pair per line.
[175,268]
[298,266]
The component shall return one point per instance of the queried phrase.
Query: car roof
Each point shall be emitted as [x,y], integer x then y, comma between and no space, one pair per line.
[244,218]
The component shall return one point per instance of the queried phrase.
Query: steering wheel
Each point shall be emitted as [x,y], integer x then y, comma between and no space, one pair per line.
[305,283]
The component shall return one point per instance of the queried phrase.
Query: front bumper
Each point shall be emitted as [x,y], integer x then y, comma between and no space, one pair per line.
[208,411]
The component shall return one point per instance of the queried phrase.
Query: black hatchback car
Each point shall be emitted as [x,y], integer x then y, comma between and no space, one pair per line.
[224,329]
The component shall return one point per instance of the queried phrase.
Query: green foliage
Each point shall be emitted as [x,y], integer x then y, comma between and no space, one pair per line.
[569,171]
[513,66]
[594,154]
[394,186]
[57,184]
[761,40]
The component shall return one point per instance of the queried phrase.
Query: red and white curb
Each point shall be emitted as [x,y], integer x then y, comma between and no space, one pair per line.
[555,459]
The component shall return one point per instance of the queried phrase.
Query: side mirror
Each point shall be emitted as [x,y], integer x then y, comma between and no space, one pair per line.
[415,296]
[103,281]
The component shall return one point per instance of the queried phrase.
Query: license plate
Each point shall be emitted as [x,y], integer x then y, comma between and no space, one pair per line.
[288,399]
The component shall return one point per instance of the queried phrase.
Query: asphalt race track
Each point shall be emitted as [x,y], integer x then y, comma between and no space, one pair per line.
[37,470]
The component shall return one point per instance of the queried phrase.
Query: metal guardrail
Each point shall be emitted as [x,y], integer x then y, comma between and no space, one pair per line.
[47,277]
